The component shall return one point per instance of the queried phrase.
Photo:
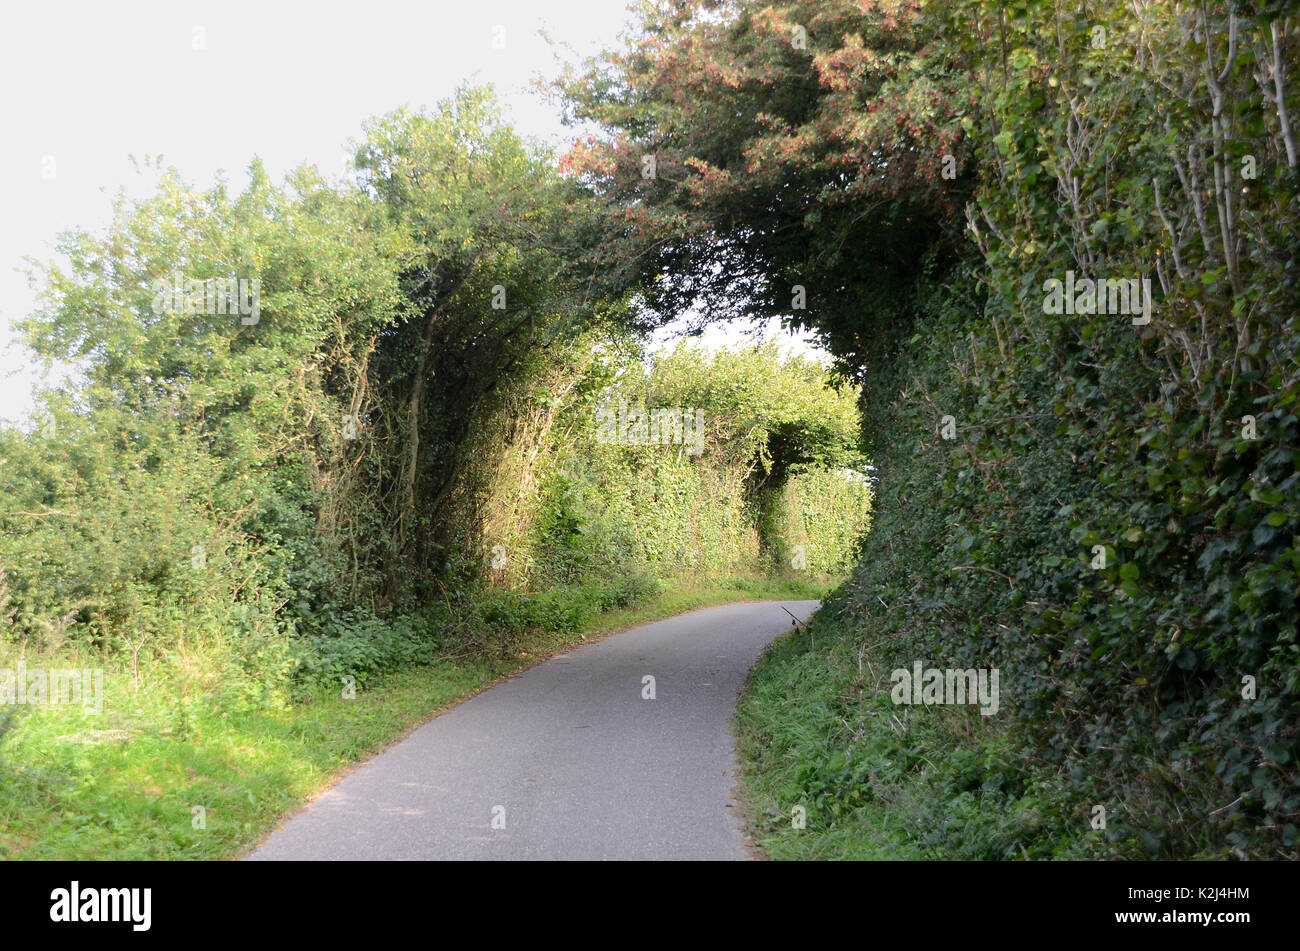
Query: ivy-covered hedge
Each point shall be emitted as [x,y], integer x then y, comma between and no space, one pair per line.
[1104,508]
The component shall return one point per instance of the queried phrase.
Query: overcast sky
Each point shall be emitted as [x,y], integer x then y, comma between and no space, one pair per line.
[83,86]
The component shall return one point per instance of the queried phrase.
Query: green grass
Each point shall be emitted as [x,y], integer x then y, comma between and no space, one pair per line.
[123,784]
[817,730]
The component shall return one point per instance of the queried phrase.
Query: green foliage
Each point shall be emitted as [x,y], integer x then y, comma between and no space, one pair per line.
[781,161]
[819,517]
[233,513]
[773,429]
[1115,142]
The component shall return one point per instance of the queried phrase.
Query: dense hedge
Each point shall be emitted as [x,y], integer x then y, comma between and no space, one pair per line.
[397,457]
[1106,525]
[759,475]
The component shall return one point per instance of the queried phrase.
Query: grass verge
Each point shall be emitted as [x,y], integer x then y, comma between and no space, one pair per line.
[153,778]
[818,732]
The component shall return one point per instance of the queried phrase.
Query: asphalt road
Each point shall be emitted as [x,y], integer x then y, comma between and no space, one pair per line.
[567,760]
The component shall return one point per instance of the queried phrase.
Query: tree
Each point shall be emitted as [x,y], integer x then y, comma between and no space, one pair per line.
[802,159]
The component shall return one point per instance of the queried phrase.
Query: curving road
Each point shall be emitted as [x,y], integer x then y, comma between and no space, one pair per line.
[567,760]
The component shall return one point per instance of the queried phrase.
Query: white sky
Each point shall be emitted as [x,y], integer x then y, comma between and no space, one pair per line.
[83,86]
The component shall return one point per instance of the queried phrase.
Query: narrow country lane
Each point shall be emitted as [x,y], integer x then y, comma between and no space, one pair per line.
[567,760]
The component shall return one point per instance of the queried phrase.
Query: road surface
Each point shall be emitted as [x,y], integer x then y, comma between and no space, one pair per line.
[570,759]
